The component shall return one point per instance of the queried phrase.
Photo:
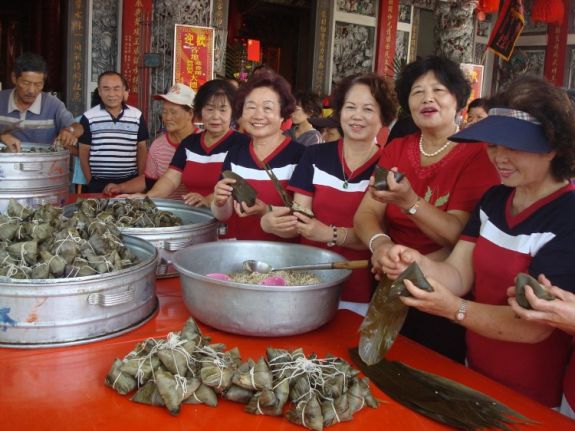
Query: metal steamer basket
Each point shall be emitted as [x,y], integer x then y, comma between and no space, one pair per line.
[198,226]
[257,310]
[34,178]
[69,311]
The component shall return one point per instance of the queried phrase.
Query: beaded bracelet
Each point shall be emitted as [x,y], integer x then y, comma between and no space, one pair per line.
[334,238]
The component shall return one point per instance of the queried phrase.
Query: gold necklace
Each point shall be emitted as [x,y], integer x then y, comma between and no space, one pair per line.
[345,184]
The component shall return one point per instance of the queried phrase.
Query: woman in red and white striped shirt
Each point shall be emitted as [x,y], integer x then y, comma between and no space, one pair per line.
[177,115]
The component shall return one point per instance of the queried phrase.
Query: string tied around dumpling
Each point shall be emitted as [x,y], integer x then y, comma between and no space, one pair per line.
[19,234]
[116,379]
[258,408]
[181,382]
[352,395]
[69,237]
[316,371]
[113,238]
[74,270]
[302,411]
[252,377]
[124,221]
[13,270]
[22,254]
[221,366]
[332,405]
[5,260]
[173,343]
[94,222]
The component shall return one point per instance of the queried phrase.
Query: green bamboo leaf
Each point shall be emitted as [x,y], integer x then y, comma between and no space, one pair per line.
[428,194]
[439,398]
[442,200]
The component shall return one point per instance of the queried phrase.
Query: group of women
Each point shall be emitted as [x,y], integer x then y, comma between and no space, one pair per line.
[473,209]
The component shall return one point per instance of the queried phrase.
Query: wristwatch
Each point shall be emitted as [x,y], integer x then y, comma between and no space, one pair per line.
[462,311]
[413,209]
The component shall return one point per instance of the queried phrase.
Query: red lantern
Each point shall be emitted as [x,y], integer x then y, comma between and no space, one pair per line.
[548,11]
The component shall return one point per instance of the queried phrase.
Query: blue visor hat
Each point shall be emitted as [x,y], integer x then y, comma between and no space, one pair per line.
[509,128]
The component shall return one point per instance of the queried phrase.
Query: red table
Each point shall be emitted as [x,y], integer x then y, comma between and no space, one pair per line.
[62,388]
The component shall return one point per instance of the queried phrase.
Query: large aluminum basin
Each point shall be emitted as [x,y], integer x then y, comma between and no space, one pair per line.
[68,311]
[256,310]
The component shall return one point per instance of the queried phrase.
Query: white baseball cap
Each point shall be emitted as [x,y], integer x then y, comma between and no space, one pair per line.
[180,94]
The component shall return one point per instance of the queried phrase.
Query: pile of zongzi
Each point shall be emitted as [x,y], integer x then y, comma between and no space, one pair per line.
[42,243]
[185,369]
[42,149]
[139,213]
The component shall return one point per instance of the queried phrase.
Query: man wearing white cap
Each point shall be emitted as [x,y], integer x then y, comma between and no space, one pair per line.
[113,147]
[177,115]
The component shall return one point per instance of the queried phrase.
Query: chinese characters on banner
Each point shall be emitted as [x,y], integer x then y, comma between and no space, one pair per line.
[132,13]
[76,66]
[386,39]
[193,55]
[555,53]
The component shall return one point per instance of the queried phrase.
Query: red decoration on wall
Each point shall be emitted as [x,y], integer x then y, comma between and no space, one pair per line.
[132,49]
[548,11]
[555,53]
[488,6]
[385,44]
[253,48]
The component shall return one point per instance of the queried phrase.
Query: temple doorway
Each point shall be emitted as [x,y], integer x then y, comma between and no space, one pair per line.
[285,30]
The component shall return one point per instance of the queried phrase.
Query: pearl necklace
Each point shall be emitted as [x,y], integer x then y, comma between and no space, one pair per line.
[436,152]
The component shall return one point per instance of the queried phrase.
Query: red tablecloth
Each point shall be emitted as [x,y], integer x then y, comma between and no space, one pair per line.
[62,388]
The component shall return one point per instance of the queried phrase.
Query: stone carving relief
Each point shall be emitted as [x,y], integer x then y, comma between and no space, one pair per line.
[104,37]
[454,29]
[353,49]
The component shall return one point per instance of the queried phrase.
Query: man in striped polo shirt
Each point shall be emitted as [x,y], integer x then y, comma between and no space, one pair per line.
[29,115]
[113,147]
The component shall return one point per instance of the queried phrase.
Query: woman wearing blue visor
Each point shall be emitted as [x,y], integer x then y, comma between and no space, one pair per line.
[526,224]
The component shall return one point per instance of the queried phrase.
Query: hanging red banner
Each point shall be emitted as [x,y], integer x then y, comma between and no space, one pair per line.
[387,25]
[132,13]
[507,29]
[193,55]
[555,54]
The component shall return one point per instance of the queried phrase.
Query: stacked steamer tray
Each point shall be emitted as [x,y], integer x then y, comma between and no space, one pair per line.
[198,226]
[34,177]
[103,288]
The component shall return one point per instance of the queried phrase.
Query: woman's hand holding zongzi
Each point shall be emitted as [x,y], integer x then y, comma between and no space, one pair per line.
[441,302]
[314,229]
[399,193]
[223,191]
[243,210]
[559,313]
[280,222]
[393,260]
